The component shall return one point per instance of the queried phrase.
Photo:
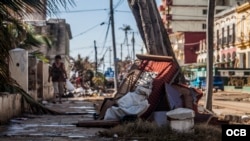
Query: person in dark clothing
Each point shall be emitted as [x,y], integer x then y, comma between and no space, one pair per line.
[59,76]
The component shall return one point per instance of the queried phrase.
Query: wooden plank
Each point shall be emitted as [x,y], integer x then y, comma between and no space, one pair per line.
[154,57]
[97,123]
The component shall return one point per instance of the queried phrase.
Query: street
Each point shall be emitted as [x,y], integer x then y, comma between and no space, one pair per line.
[63,127]
[225,103]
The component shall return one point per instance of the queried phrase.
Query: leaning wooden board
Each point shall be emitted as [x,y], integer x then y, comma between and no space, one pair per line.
[154,57]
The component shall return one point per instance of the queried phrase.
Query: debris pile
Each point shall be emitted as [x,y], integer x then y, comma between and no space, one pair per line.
[149,88]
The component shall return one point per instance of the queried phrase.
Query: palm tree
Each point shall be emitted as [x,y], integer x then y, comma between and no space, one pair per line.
[13,33]
[126,28]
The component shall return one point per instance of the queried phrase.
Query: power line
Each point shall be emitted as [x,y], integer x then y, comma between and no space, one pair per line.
[92,51]
[123,11]
[106,35]
[80,11]
[86,47]
[118,4]
[89,29]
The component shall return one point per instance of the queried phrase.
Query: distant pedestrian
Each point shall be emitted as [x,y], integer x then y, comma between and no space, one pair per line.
[59,76]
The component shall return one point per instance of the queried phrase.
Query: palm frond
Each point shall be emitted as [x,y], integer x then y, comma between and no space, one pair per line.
[18,7]
[40,56]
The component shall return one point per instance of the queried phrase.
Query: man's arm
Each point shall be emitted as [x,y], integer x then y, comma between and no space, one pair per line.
[64,71]
[49,74]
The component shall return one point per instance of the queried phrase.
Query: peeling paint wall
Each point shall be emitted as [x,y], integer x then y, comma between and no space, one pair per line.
[45,89]
[10,106]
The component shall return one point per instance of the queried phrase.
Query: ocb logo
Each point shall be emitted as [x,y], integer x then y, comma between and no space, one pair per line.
[236,132]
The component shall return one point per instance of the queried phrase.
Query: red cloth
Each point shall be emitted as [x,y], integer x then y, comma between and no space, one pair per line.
[78,80]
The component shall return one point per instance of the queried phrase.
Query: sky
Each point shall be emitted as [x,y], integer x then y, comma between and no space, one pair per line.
[85,20]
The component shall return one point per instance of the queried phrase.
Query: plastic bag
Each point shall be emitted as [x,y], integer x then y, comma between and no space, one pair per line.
[69,85]
[79,90]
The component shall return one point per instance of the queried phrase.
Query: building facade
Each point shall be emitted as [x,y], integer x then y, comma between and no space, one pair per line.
[189,17]
[185,45]
[243,35]
[231,47]
[224,40]
[231,38]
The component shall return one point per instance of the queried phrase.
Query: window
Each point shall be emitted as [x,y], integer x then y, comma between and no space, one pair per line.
[220,41]
[221,2]
[230,39]
[228,33]
[246,73]
[231,73]
[224,40]
[223,37]
[204,11]
[204,26]
[233,34]
[218,38]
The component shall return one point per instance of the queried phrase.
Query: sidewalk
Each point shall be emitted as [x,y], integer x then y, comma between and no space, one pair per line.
[54,128]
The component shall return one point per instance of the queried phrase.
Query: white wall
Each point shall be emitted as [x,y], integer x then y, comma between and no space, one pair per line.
[193,26]
[19,67]
[190,2]
[192,17]
[189,13]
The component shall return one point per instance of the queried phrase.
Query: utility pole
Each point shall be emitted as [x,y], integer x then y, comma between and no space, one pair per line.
[210,30]
[114,45]
[133,45]
[121,52]
[110,56]
[103,66]
[95,56]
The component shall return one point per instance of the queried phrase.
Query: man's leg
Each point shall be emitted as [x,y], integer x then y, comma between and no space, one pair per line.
[56,90]
[61,90]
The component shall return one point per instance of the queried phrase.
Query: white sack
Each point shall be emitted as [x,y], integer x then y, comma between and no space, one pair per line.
[69,86]
[79,90]
[130,104]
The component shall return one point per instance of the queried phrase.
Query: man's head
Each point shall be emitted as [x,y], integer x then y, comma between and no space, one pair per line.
[58,58]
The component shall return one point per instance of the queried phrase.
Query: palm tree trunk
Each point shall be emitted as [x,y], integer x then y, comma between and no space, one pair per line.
[152,30]
[210,30]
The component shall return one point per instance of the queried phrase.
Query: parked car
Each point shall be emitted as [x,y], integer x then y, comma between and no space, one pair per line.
[200,82]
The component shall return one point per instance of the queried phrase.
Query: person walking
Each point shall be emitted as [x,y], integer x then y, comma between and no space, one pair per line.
[59,76]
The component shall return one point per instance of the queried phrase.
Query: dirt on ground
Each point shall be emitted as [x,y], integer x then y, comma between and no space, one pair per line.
[232,106]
